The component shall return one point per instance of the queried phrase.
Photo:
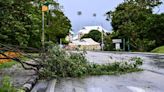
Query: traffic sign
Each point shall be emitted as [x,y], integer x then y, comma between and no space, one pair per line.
[44,8]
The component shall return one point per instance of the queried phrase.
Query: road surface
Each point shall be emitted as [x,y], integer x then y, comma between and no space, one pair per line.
[149,80]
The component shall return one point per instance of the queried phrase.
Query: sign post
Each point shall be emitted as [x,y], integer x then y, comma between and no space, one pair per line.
[117,43]
[44,5]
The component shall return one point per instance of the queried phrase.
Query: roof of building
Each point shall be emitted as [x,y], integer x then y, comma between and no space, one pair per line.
[87,29]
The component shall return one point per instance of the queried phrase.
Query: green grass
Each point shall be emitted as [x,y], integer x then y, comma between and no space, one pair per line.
[7,86]
[158,50]
[7,64]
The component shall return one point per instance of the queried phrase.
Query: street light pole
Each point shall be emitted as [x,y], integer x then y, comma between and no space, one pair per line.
[102,40]
[44,9]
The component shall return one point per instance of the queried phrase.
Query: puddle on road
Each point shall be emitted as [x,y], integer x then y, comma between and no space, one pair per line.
[159,64]
[158,61]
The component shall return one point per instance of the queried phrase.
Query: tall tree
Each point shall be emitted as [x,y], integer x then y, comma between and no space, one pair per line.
[94,34]
[59,26]
[18,21]
[145,3]
[21,22]
[130,21]
[155,27]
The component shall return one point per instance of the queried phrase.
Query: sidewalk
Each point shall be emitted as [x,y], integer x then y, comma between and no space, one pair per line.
[18,75]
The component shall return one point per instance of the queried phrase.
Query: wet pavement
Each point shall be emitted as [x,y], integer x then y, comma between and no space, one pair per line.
[149,80]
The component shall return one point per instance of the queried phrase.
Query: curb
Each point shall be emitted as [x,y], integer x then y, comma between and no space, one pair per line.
[51,85]
[40,86]
[149,53]
[27,87]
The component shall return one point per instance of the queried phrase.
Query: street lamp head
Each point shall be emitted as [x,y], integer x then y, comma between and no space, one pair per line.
[94,14]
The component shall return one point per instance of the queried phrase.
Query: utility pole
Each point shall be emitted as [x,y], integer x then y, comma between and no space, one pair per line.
[102,40]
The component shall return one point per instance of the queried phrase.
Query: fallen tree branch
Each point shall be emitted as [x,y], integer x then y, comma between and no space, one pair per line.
[33,66]
[4,58]
[7,47]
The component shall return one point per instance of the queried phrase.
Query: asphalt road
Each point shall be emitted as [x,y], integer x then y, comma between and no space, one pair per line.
[149,80]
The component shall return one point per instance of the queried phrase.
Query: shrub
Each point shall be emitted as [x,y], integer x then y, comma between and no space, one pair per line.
[63,64]
[7,64]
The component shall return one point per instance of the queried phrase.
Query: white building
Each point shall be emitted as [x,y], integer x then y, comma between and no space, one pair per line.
[85,44]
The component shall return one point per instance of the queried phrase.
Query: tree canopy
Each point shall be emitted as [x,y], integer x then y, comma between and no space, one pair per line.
[94,34]
[21,23]
[59,26]
[137,24]
[145,3]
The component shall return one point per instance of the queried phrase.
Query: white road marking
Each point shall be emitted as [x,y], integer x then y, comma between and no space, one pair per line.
[94,90]
[135,89]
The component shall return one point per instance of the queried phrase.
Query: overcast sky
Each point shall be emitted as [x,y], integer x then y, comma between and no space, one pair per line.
[88,8]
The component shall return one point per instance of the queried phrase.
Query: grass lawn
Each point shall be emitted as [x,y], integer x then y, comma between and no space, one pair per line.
[158,50]
[7,64]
